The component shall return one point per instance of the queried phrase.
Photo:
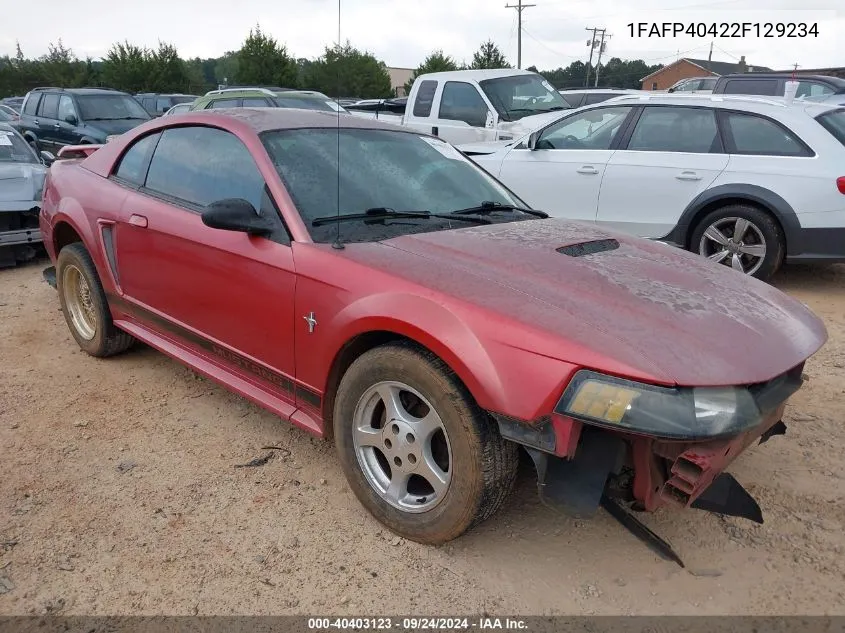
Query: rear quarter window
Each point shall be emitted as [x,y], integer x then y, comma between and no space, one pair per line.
[133,166]
[834,122]
[425,98]
[756,135]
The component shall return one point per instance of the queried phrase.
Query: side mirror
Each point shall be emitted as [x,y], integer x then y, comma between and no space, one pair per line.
[236,214]
[71,118]
[671,90]
[532,140]
[47,158]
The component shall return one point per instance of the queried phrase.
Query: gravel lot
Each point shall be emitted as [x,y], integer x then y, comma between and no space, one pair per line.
[118,495]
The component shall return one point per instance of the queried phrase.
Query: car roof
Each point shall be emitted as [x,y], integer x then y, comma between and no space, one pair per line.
[83,91]
[265,119]
[751,103]
[477,75]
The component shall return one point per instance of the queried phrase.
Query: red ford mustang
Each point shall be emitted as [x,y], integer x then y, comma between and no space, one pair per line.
[371,284]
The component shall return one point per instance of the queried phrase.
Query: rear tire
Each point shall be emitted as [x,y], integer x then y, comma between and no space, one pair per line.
[741,237]
[436,427]
[84,304]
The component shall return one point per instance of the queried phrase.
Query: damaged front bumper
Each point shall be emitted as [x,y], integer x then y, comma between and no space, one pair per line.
[581,467]
[19,232]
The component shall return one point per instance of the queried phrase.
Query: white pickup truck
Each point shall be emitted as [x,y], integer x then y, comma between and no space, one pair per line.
[472,106]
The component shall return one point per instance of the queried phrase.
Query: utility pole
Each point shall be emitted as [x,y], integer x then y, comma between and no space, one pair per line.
[601,50]
[592,44]
[710,56]
[519,9]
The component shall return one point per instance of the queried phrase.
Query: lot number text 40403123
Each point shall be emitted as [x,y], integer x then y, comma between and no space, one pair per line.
[724,29]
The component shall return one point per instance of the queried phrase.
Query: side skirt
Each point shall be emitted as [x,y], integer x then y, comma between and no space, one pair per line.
[214,370]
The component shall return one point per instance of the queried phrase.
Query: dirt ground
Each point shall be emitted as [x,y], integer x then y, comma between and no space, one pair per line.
[118,495]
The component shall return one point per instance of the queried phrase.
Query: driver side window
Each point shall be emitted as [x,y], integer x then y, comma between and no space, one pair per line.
[593,129]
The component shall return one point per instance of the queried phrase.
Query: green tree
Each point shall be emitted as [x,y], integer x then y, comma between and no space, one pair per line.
[127,67]
[262,60]
[488,55]
[344,71]
[226,68]
[436,62]
[167,71]
[59,67]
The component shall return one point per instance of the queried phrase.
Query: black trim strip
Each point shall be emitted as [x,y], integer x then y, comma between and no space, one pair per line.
[267,375]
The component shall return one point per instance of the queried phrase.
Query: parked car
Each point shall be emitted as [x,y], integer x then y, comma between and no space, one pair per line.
[467,106]
[8,114]
[157,104]
[21,182]
[578,97]
[377,287]
[774,84]
[179,107]
[746,181]
[13,102]
[265,98]
[54,117]
[702,85]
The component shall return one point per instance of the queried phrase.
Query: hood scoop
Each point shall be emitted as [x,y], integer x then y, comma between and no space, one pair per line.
[588,248]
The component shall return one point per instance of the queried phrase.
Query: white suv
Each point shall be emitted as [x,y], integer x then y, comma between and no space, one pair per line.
[745,181]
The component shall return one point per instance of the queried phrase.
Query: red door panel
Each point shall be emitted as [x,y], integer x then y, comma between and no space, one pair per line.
[221,286]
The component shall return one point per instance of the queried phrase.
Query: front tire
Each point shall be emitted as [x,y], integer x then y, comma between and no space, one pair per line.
[418,452]
[742,237]
[84,304]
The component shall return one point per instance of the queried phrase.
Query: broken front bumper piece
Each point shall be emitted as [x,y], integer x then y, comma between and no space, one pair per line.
[19,232]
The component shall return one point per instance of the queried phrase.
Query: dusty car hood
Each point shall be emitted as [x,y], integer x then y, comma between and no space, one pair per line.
[670,314]
[20,182]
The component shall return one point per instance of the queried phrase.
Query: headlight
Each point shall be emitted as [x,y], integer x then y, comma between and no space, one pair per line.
[676,413]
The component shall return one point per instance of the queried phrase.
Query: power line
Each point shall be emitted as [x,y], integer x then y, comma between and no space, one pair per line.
[550,49]
[519,9]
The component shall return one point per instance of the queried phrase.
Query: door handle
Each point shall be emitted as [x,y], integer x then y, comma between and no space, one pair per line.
[688,175]
[56,125]
[35,121]
[587,169]
[138,220]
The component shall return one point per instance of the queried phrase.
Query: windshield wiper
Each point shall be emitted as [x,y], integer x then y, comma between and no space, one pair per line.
[488,206]
[378,215]
[115,118]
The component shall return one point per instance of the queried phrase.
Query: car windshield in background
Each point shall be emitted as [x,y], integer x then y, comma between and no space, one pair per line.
[110,108]
[305,103]
[834,122]
[5,116]
[518,96]
[380,169]
[182,99]
[13,149]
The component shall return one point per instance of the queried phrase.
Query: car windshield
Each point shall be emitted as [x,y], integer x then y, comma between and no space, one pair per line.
[380,169]
[518,96]
[834,122]
[5,116]
[306,103]
[14,149]
[110,108]
[177,99]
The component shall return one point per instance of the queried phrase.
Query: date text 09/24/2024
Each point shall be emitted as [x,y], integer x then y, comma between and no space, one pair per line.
[724,29]
[416,624]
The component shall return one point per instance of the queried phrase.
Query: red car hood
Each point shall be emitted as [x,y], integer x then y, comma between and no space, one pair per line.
[668,313]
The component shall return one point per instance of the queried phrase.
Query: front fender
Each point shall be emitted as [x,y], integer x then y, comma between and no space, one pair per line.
[501,377]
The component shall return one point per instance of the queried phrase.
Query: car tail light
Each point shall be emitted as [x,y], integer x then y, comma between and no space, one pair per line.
[840,184]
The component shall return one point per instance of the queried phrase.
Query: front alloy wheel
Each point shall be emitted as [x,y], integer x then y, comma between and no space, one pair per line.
[735,242]
[742,237]
[402,446]
[416,449]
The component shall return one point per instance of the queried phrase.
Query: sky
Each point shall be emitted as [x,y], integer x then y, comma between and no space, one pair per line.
[403,32]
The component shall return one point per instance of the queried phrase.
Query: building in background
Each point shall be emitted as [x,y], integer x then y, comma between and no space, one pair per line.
[398,78]
[686,68]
